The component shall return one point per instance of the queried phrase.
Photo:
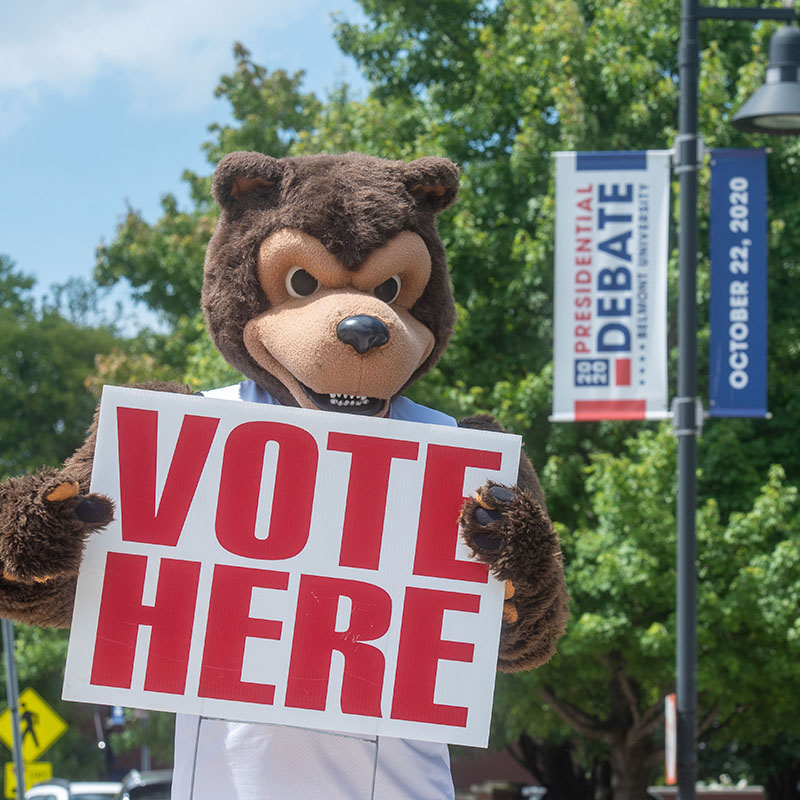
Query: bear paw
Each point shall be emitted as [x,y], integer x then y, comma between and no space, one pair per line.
[44,522]
[90,510]
[511,533]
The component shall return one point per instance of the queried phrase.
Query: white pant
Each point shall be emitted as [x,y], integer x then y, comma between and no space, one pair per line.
[218,760]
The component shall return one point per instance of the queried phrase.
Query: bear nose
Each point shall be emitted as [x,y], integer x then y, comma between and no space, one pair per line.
[362,332]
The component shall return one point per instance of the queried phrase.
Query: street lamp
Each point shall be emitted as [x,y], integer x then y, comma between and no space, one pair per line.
[775,108]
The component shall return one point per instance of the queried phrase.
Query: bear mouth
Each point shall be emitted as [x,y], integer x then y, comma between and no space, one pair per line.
[344,403]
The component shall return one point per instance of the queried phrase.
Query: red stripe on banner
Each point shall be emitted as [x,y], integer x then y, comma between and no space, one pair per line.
[623,372]
[593,410]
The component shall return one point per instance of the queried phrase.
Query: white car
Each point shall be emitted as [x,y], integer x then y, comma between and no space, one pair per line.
[58,789]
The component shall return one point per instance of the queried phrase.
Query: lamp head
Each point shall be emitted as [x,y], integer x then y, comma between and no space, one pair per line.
[775,107]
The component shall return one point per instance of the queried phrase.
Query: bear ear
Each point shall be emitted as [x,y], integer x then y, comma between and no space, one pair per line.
[433,182]
[243,175]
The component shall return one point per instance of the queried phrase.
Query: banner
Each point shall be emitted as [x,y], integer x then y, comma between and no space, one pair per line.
[738,345]
[281,565]
[610,338]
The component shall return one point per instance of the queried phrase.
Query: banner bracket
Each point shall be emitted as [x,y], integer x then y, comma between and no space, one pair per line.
[682,160]
[681,416]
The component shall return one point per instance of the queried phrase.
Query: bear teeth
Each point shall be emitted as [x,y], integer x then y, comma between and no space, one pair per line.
[339,399]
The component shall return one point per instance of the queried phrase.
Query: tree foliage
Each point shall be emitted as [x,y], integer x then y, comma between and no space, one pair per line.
[40,655]
[616,663]
[45,360]
[45,409]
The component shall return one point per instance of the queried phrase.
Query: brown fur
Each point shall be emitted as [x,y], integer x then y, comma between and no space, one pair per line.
[356,215]
[48,604]
[39,538]
[42,541]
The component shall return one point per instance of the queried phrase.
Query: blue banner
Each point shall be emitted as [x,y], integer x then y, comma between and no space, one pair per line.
[738,227]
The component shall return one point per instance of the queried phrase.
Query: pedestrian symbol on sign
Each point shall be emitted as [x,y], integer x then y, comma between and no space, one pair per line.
[28,720]
[40,725]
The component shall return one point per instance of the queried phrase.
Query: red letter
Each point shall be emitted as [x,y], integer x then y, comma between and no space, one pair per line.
[315,639]
[171,619]
[240,485]
[229,625]
[137,441]
[366,494]
[420,650]
[442,500]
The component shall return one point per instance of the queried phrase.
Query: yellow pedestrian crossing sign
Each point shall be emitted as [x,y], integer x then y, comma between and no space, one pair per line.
[34,773]
[40,726]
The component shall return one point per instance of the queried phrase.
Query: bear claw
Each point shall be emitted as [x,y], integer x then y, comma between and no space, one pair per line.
[64,491]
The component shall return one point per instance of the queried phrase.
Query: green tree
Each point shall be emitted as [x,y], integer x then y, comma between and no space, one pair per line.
[153,729]
[775,765]
[616,663]
[15,289]
[45,410]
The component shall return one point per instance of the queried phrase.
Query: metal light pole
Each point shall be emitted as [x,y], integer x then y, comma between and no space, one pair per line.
[686,423]
[687,407]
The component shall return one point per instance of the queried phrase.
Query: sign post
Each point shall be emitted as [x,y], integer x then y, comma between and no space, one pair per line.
[281,565]
[14,742]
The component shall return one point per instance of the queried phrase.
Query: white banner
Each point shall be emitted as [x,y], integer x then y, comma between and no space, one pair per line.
[611,247]
[281,565]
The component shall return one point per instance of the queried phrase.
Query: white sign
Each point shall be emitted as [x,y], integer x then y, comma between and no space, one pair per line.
[281,565]
[610,341]
[670,740]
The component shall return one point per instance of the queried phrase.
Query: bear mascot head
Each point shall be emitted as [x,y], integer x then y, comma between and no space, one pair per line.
[325,281]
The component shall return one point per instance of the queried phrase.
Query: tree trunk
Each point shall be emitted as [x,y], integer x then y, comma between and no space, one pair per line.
[630,771]
[553,765]
[784,785]
[627,731]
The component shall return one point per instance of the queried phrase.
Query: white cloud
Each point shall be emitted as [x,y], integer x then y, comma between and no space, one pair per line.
[170,52]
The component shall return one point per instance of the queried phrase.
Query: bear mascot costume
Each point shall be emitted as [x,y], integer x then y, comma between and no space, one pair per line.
[326,286]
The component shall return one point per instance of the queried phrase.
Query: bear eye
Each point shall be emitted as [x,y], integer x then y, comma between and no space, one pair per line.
[300,283]
[389,289]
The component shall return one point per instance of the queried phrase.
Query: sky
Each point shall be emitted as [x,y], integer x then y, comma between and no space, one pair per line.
[103,105]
